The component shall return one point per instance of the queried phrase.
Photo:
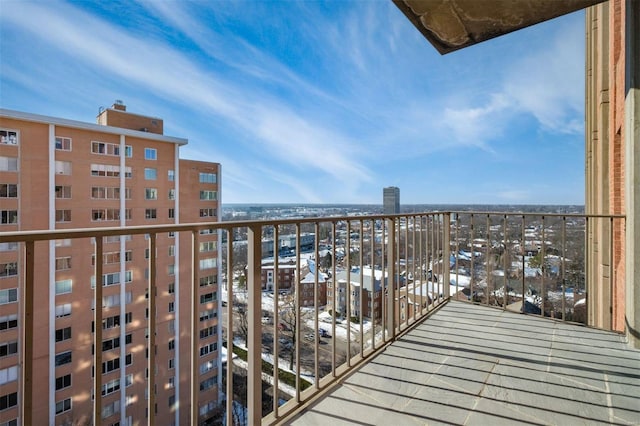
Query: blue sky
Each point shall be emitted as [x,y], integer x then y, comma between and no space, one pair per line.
[316,102]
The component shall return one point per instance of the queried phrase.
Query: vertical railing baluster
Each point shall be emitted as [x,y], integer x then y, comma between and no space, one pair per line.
[505,257]
[523,249]
[457,219]
[348,291]
[416,304]
[446,255]
[229,275]
[254,339]
[473,255]
[612,273]
[372,239]
[276,318]
[543,267]
[487,266]
[97,335]
[336,288]
[385,281]
[151,322]
[361,301]
[587,265]
[194,349]
[298,319]
[316,332]
[564,255]
[391,265]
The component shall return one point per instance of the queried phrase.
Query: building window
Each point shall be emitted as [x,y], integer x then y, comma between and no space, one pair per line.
[63,144]
[150,194]
[8,322]
[8,190]
[8,137]
[105,148]
[109,193]
[110,344]
[9,295]
[63,287]
[111,409]
[171,289]
[63,406]
[63,358]
[8,164]
[63,167]
[206,332]
[172,269]
[207,408]
[172,250]
[208,297]
[208,384]
[172,213]
[207,246]
[8,348]
[8,375]
[209,195]
[150,174]
[171,175]
[208,263]
[172,194]
[172,307]
[110,365]
[8,217]
[208,212]
[63,334]
[113,257]
[111,387]
[108,170]
[150,213]
[206,315]
[63,191]
[8,401]
[63,310]
[208,280]
[8,246]
[63,382]
[63,215]
[150,154]
[63,263]
[171,383]
[172,344]
[207,366]
[207,178]
[8,269]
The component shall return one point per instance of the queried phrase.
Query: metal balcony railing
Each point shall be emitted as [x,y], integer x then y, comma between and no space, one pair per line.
[358,283]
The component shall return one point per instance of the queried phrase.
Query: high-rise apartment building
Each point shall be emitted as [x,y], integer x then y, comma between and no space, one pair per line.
[391,200]
[62,174]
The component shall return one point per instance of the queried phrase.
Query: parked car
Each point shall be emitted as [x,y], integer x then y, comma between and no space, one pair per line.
[324,333]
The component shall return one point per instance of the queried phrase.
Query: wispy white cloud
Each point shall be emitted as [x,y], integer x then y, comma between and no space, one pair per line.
[311,102]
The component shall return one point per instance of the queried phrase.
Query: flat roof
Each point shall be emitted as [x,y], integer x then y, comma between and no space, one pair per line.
[37,118]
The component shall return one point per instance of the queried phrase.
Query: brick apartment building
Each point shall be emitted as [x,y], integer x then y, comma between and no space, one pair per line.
[62,174]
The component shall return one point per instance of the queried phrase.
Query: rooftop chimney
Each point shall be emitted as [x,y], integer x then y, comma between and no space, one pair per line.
[119,105]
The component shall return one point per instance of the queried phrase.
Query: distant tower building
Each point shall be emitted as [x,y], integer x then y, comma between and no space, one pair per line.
[391,200]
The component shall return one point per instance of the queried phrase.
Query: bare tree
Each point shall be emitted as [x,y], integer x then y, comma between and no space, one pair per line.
[289,322]
[242,319]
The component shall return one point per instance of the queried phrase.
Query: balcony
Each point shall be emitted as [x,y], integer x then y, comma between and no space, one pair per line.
[459,317]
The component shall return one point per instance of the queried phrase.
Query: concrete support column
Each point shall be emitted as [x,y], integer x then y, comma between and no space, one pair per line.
[632,170]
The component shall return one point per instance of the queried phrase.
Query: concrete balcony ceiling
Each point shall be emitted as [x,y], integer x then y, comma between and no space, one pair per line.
[450,25]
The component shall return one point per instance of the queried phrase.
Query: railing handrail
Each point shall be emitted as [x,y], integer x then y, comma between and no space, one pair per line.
[46,234]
